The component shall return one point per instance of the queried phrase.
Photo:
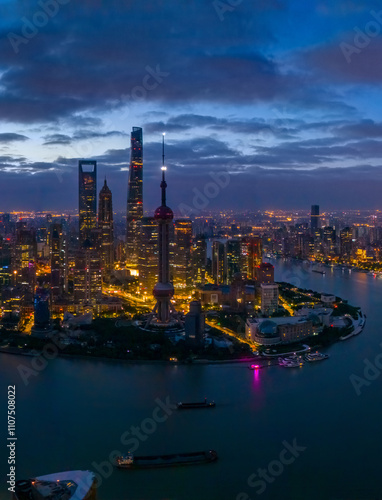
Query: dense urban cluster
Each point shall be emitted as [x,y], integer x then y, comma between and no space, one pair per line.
[70,268]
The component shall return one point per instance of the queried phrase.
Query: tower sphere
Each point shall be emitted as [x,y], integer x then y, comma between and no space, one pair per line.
[164,213]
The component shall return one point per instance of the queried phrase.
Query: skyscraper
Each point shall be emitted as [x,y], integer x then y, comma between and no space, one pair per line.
[218,262]
[5,264]
[265,273]
[87,170]
[182,267]
[25,251]
[105,225]
[135,198]
[41,325]
[199,260]
[314,218]
[148,255]
[232,259]
[57,259]
[329,241]
[269,298]
[346,243]
[251,256]
[87,279]
[195,324]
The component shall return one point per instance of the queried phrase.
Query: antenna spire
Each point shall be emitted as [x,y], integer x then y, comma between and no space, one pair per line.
[163,149]
[163,183]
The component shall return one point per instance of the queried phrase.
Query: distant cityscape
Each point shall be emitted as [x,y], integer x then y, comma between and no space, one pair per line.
[57,267]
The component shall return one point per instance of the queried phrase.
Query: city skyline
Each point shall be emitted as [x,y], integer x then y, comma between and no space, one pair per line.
[156,337]
[295,118]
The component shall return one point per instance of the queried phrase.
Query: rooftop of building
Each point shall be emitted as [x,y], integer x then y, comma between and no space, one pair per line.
[266,265]
[288,320]
[225,289]
[269,285]
[268,329]
[317,310]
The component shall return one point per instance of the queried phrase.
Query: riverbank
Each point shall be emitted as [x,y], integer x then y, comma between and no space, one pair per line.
[18,352]
[357,329]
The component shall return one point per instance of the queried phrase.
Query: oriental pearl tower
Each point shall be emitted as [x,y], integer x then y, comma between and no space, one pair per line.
[163,313]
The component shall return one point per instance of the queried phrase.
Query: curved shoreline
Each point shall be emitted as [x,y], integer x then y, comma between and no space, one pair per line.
[132,361]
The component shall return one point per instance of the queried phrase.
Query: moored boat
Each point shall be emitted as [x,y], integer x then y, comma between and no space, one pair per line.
[129,461]
[292,364]
[291,361]
[316,356]
[202,404]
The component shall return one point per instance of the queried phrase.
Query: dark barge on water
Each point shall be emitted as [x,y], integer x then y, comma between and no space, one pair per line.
[202,404]
[129,461]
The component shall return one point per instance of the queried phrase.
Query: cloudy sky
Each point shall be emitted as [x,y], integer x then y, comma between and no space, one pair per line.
[278,100]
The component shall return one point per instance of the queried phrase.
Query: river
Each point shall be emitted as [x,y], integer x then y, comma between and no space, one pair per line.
[73,413]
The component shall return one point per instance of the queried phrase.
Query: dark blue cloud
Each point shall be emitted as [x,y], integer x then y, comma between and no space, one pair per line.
[263,90]
[11,137]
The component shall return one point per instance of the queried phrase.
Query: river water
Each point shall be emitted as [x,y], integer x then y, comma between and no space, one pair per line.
[73,413]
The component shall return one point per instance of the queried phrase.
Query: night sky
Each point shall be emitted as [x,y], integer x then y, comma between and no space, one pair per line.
[281,99]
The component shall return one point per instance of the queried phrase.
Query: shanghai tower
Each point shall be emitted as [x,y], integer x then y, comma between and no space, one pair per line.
[134,198]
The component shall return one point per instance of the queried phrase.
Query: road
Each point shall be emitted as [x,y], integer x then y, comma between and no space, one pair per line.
[286,305]
[231,333]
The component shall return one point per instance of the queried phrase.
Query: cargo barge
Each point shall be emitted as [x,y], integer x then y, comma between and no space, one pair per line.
[129,461]
[202,404]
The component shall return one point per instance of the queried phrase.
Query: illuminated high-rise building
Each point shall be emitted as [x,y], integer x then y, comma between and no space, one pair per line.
[25,252]
[182,267]
[57,260]
[346,243]
[5,223]
[42,326]
[195,325]
[314,218]
[120,252]
[232,259]
[135,198]
[218,262]
[251,256]
[5,264]
[87,279]
[265,273]
[329,240]
[87,182]
[199,260]
[269,298]
[105,226]
[148,255]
